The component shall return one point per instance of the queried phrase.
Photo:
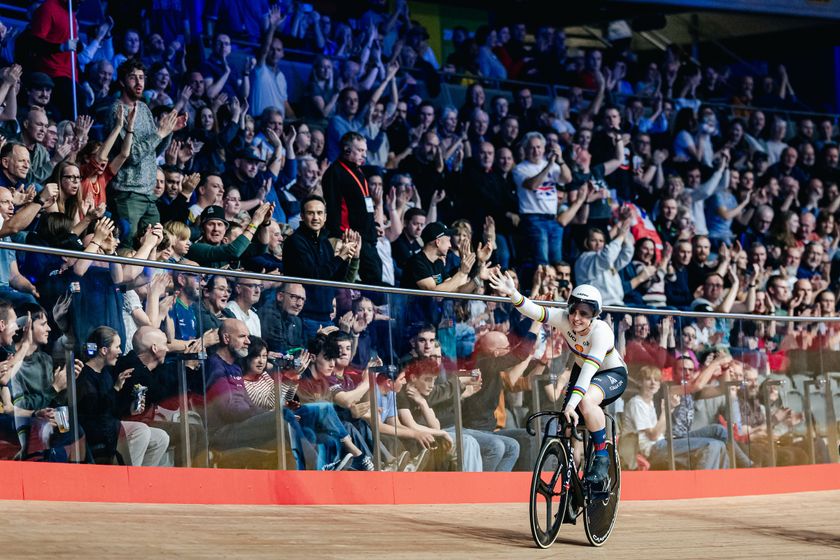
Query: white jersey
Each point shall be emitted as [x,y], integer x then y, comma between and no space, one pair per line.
[594,351]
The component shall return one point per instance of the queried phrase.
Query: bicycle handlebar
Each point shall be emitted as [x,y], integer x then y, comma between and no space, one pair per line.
[561,421]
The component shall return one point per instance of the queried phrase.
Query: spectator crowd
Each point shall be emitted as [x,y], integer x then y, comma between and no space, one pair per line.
[664,183]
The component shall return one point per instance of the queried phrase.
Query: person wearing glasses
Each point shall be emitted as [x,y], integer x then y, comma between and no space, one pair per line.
[212,308]
[282,328]
[247,292]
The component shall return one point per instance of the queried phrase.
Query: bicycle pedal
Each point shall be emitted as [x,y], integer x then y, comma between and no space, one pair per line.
[599,491]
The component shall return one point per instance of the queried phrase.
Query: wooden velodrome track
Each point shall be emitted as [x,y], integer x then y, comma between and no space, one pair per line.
[786,526]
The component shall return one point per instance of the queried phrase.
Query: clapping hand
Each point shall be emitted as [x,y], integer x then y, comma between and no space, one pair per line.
[483,252]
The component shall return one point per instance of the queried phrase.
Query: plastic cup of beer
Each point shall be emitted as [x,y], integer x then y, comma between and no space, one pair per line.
[62,419]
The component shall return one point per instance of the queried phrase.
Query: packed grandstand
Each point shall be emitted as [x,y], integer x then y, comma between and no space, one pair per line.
[366,157]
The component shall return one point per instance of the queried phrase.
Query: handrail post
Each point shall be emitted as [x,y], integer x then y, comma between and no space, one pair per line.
[730,426]
[768,417]
[459,420]
[537,407]
[831,419]
[70,368]
[669,425]
[811,429]
[280,422]
[374,420]
[184,410]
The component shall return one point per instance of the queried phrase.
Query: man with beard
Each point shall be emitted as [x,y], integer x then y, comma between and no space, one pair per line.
[244,176]
[39,88]
[133,203]
[233,420]
[426,166]
[183,312]
[209,250]
[172,204]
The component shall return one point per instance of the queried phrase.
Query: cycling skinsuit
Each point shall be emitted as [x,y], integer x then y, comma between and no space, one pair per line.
[597,362]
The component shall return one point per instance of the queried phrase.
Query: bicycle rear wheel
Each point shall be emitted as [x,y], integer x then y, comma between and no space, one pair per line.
[602,507]
[549,493]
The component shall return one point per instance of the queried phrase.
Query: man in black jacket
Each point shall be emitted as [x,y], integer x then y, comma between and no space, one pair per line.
[282,329]
[146,364]
[482,182]
[308,253]
[349,205]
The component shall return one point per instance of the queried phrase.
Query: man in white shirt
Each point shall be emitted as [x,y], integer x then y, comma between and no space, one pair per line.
[537,179]
[269,88]
[247,293]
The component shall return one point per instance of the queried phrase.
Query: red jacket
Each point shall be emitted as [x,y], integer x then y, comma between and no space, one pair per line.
[51,24]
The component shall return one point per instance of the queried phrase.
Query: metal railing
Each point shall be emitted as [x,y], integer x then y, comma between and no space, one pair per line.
[821,381]
[391,289]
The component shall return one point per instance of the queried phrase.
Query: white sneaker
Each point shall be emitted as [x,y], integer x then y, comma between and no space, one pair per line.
[339,465]
[419,462]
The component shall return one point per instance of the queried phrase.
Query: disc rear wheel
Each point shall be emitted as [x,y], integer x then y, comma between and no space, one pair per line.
[602,504]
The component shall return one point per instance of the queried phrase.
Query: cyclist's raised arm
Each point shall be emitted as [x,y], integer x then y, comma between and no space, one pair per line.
[504,285]
[601,342]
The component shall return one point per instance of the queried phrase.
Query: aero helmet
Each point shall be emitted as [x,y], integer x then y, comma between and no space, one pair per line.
[588,294]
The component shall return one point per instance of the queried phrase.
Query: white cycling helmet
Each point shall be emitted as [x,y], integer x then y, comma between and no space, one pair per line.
[588,294]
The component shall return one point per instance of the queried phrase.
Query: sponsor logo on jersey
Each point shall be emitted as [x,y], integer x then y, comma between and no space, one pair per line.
[578,347]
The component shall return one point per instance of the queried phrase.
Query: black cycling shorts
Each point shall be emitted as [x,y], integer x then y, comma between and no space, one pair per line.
[612,382]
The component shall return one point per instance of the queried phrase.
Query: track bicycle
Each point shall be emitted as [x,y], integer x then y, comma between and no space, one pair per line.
[559,493]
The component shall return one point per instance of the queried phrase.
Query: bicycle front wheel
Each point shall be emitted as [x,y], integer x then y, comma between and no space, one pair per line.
[549,493]
[602,507]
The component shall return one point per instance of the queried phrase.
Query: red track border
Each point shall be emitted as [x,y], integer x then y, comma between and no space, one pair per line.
[93,483]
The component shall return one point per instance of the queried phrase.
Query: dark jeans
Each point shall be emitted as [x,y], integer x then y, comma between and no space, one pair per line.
[16,297]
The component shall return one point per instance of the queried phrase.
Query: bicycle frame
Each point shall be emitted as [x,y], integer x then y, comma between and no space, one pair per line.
[581,493]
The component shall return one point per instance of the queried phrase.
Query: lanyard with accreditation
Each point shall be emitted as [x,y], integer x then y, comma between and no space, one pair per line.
[362,187]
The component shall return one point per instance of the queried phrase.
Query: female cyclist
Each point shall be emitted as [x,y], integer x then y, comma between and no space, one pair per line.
[599,375]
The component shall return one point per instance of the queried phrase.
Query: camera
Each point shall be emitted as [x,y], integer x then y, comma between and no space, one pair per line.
[287,362]
[390,371]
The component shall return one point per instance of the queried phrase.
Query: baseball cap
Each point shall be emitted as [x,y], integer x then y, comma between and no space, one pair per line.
[213,213]
[248,153]
[69,242]
[702,305]
[435,230]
